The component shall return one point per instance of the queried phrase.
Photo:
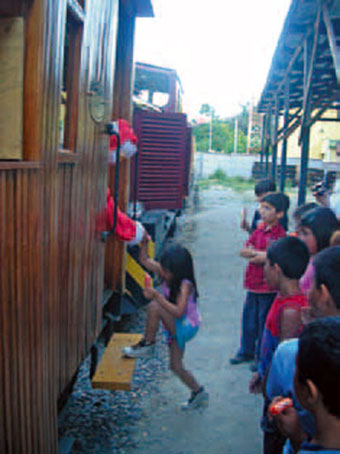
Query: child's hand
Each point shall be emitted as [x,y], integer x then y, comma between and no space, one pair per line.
[146,238]
[288,423]
[149,293]
[244,223]
[255,384]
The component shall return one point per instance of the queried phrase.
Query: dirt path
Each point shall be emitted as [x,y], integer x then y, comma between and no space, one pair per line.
[231,423]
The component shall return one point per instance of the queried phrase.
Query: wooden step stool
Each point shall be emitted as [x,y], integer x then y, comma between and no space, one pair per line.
[114,370]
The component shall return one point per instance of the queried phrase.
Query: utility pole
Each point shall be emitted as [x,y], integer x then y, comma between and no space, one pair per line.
[210,128]
[235,135]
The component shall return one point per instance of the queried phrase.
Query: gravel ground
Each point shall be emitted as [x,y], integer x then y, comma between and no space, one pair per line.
[103,421]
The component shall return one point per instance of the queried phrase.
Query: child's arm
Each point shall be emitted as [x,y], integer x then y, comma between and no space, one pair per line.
[256,384]
[289,323]
[259,257]
[247,252]
[149,264]
[178,309]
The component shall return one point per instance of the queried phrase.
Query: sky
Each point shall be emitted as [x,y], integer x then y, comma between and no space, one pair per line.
[221,49]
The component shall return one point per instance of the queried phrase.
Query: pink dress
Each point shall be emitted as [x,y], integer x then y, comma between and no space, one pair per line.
[307,279]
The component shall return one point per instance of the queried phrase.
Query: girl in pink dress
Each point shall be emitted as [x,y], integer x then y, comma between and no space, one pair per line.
[176,307]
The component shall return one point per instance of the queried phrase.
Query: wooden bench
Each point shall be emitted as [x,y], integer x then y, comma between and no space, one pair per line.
[114,370]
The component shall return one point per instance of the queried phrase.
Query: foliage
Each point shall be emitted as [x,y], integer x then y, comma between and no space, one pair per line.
[219,178]
[219,174]
[206,109]
[222,132]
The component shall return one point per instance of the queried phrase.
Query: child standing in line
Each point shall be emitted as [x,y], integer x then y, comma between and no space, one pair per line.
[316,384]
[177,308]
[315,229]
[259,296]
[297,423]
[262,188]
[317,378]
[286,262]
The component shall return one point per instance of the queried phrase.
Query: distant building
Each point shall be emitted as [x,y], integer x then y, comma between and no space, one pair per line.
[324,141]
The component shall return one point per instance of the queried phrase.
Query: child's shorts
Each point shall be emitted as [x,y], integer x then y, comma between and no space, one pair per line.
[184,332]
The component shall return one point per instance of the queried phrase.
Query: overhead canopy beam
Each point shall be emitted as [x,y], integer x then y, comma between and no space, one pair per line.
[308,73]
[305,129]
[332,40]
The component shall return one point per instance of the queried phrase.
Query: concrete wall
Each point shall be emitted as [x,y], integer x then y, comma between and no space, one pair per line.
[237,165]
[233,165]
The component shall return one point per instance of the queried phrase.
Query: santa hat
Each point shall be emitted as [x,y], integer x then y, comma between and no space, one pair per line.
[127,229]
[128,141]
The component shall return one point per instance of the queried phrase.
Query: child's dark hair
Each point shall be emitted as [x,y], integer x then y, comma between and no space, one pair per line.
[322,222]
[264,186]
[302,209]
[177,259]
[327,272]
[291,254]
[318,360]
[278,200]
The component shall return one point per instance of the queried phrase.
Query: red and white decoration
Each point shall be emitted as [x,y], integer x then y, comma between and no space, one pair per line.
[128,141]
[127,229]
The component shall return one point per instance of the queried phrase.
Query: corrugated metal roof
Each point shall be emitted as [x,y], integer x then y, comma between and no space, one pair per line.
[298,25]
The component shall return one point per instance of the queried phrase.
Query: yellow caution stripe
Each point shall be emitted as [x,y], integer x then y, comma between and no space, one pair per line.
[136,271]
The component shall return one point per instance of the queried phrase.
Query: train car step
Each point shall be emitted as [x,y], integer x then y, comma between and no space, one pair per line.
[114,370]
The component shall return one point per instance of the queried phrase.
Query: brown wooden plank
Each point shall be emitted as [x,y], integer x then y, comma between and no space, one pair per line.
[4,307]
[114,370]
[19,223]
[24,209]
[34,89]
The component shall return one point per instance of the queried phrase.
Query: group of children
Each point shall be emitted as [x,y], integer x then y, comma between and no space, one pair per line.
[292,280]
[290,322]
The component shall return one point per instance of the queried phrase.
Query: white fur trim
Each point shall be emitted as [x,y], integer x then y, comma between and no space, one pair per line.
[139,235]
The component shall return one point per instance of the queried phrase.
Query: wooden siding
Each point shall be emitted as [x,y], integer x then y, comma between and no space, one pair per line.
[52,257]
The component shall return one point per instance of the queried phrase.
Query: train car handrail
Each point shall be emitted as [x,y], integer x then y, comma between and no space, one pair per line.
[111,131]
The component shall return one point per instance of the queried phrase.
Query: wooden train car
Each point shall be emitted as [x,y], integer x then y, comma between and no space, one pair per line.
[65,71]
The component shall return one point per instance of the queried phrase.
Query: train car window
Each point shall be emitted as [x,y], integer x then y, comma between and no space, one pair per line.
[160,99]
[69,96]
[12,45]
[152,87]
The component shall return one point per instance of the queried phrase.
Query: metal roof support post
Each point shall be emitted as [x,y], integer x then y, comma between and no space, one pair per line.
[304,166]
[305,127]
[274,137]
[263,134]
[285,140]
[268,118]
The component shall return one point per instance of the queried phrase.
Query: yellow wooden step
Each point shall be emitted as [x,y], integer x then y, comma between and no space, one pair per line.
[114,370]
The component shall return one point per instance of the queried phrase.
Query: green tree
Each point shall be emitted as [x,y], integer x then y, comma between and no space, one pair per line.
[206,109]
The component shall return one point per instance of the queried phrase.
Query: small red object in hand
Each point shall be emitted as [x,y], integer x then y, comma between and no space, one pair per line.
[147,281]
[278,407]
